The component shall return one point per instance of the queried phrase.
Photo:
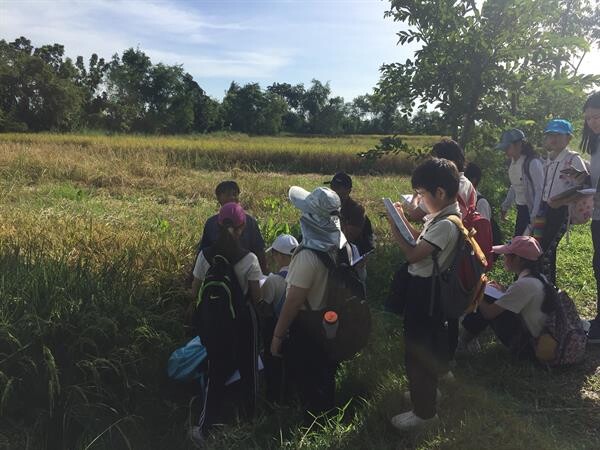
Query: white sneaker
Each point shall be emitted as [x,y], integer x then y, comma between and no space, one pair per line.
[195,435]
[438,396]
[448,377]
[409,420]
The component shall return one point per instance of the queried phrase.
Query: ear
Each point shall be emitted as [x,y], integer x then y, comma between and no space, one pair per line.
[440,193]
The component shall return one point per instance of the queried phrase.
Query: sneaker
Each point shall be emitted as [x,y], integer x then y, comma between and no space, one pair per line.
[448,377]
[196,436]
[438,396]
[594,332]
[410,420]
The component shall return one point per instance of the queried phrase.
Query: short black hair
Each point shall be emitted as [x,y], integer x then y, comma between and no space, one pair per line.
[473,173]
[450,149]
[436,173]
[227,187]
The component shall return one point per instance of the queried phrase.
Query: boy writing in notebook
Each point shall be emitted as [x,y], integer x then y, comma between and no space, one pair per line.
[436,181]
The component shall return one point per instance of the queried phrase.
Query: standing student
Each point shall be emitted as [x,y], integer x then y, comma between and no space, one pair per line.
[341,184]
[466,197]
[251,238]
[590,143]
[307,364]
[425,335]
[526,174]
[352,217]
[231,222]
[273,296]
[520,313]
[473,174]
[557,135]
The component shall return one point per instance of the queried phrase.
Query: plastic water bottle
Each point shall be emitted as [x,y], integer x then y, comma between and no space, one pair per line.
[330,324]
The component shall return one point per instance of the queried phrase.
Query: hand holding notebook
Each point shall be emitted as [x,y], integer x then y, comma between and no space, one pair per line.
[398,221]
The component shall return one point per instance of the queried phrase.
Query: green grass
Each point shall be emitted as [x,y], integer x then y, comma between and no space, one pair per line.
[94,246]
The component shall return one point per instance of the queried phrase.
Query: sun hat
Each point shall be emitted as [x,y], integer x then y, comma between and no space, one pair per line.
[510,137]
[322,201]
[559,126]
[232,212]
[341,179]
[526,247]
[284,243]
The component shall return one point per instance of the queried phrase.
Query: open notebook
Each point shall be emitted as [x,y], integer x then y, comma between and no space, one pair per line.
[402,228]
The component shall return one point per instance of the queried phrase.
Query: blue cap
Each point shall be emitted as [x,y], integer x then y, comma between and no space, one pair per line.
[559,126]
[510,137]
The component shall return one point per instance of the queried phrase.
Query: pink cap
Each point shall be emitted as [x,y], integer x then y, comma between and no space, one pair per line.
[524,246]
[232,212]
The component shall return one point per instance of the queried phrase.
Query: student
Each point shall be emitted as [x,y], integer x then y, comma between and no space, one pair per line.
[273,296]
[425,335]
[526,174]
[251,238]
[590,143]
[231,222]
[352,217]
[467,196]
[341,183]
[473,174]
[307,365]
[521,312]
[557,135]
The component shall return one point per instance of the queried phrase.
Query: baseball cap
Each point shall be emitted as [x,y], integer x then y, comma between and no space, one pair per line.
[510,137]
[341,179]
[559,126]
[524,246]
[322,201]
[284,243]
[232,212]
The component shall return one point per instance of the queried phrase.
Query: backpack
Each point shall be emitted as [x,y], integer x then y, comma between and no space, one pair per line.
[462,284]
[496,231]
[346,297]
[563,339]
[184,363]
[482,232]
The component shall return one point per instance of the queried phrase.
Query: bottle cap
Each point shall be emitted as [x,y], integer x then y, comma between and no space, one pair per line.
[330,317]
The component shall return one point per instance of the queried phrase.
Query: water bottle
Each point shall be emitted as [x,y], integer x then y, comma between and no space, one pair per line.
[330,324]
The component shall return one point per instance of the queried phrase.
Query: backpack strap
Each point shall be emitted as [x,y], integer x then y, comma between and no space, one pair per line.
[526,165]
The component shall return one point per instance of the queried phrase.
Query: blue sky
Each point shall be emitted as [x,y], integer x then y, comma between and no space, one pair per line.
[217,41]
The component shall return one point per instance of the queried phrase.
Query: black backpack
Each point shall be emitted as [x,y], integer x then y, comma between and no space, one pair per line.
[346,297]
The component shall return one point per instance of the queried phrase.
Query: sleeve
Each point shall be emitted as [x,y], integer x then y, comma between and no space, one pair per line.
[577,163]
[439,234]
[257,242]
[268,289]
[510,199]
[302,270]
[536,170]
[368,237]
[201,267]
[254,272]
[483,206]
[516,297]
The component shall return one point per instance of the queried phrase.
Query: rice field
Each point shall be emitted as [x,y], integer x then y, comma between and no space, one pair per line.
[97,235]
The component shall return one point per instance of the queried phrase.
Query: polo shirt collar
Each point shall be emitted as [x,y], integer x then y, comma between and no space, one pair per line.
[450,209]
[562,155]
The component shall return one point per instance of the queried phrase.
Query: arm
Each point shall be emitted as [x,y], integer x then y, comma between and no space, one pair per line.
[196,287]
[262,261]
[412,254]
[416,214]
[509,201]
[490,310]
[295,298]
[483,206]
[536,170]
[254,291]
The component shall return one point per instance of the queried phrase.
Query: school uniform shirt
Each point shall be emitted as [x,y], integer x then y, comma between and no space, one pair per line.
[250,239]
[532,186]
[246,269]
[595,177]
[483,207]
[443,235]
[467,195]
[274,287]
[557,182]
[525,297]
[515,175]
[307,271]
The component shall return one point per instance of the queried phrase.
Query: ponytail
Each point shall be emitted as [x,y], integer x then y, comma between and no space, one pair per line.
[527,149]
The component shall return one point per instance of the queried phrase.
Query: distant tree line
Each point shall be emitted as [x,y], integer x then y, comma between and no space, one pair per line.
[42,90]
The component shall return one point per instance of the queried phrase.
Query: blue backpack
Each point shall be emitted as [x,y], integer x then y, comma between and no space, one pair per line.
[184,362]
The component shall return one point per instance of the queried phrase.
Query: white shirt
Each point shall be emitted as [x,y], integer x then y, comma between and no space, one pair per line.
[443,235]
[555,181]
[515,174]
[307,271]
[525,297]
[483,208]
[246,269]
[274,287]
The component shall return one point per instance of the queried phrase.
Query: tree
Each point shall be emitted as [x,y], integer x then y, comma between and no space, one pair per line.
[477,56]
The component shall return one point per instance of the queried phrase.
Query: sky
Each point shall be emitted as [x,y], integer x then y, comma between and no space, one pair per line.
[218,41]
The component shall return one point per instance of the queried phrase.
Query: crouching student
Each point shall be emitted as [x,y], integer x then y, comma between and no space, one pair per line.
[220,344]
[273,296]
[436,181]
[518,314]
[307,365]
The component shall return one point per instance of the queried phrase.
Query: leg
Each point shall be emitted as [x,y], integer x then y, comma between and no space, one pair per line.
[475,323]
[510,329]
[522,220]
[555,228]
[594,331]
